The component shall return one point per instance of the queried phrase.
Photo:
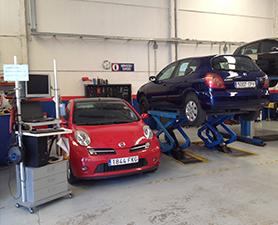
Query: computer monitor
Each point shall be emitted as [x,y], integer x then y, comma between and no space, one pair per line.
[38,86]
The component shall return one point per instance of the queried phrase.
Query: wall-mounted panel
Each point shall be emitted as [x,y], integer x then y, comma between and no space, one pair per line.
[124,18]
[246,8]
[206,26]
[10,17]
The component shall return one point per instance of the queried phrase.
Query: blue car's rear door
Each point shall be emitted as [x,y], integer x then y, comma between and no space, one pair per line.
[181,80]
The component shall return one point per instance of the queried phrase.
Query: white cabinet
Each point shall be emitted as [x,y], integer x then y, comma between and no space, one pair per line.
[44,184]
[45,181]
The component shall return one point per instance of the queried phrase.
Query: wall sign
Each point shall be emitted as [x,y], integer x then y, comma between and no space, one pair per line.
[124,67]
[16,72]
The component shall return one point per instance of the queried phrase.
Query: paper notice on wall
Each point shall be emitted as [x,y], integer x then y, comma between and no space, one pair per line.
[16,72]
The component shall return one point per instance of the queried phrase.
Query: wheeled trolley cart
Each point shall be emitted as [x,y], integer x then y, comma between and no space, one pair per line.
[43,184]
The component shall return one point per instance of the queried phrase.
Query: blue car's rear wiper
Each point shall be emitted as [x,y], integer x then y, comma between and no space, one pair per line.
[236,70]
[241,70]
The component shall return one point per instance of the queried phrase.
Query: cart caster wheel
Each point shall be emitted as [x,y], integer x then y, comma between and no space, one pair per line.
[31,210]
[17,205]
[70,196]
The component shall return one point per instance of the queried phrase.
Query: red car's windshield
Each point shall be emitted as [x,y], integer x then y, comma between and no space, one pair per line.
[103,113]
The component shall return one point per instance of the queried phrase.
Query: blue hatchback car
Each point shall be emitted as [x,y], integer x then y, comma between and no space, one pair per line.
[200,86]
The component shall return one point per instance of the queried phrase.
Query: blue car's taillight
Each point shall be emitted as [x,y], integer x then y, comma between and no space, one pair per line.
[214,81]
[266,82]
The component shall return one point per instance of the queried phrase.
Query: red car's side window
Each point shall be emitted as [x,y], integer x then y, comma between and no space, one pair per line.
[66,117]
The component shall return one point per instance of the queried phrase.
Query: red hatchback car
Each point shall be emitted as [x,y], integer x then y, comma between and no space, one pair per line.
[109,139]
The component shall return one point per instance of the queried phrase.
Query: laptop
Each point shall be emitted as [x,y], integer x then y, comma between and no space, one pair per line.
[31,111]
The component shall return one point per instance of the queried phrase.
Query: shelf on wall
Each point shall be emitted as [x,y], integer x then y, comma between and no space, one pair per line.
[7,84]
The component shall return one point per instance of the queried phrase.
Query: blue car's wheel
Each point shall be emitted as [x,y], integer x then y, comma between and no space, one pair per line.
[194,113]
[250,116]
[143,104]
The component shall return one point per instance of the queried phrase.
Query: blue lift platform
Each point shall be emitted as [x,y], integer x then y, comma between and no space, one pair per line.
[208,132]
[212,137]
[171,146]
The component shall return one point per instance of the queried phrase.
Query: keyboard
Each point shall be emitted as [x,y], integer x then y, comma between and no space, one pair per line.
[48,130]
[39,120]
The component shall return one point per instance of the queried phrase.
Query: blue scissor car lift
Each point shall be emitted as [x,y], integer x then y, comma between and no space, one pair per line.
[212,137]
[171,147]
[208,133]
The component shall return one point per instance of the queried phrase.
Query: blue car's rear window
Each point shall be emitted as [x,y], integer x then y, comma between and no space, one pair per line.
[234,63]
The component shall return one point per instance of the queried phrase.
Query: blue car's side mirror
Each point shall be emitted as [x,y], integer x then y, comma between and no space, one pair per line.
[152,78]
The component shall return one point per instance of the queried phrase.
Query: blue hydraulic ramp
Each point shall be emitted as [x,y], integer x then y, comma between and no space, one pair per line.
[212,137]
[174,123]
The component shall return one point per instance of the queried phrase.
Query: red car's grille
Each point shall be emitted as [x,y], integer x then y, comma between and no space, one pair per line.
[101,151]
[140,147]
[104,168]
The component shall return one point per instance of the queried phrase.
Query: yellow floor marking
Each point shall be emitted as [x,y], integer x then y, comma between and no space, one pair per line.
[266,163]
[216,171]
[160,181]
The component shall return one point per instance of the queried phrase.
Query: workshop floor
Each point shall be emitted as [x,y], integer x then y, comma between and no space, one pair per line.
[226,190]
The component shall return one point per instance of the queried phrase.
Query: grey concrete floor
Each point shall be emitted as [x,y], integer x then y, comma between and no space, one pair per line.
[225,190]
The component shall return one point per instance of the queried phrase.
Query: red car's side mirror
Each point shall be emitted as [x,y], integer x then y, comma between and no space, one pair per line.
[64,122]
[145,116]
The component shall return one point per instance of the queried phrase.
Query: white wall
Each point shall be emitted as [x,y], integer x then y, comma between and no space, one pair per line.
[124,18]
[215,20]
[227,20]
[12,32]
[83,57]
[224,20]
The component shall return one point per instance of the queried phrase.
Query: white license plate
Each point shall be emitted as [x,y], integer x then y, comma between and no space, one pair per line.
[123,161]
[245,84]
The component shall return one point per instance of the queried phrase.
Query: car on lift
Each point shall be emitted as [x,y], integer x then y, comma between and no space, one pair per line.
[108,139]
[209,85]
[265,53]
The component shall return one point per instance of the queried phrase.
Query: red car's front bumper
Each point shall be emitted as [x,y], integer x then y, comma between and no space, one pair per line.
[86,166]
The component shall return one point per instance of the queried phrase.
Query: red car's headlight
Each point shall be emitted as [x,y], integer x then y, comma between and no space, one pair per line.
[82,138]
[148,132]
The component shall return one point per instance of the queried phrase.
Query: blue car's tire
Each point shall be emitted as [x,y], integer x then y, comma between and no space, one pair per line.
[250,116]
[272,83]
[194,113]
[143,104]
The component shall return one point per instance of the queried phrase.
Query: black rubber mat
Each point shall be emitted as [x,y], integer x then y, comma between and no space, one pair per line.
[272,137]
[239,153]
[189,158]
[234,152]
